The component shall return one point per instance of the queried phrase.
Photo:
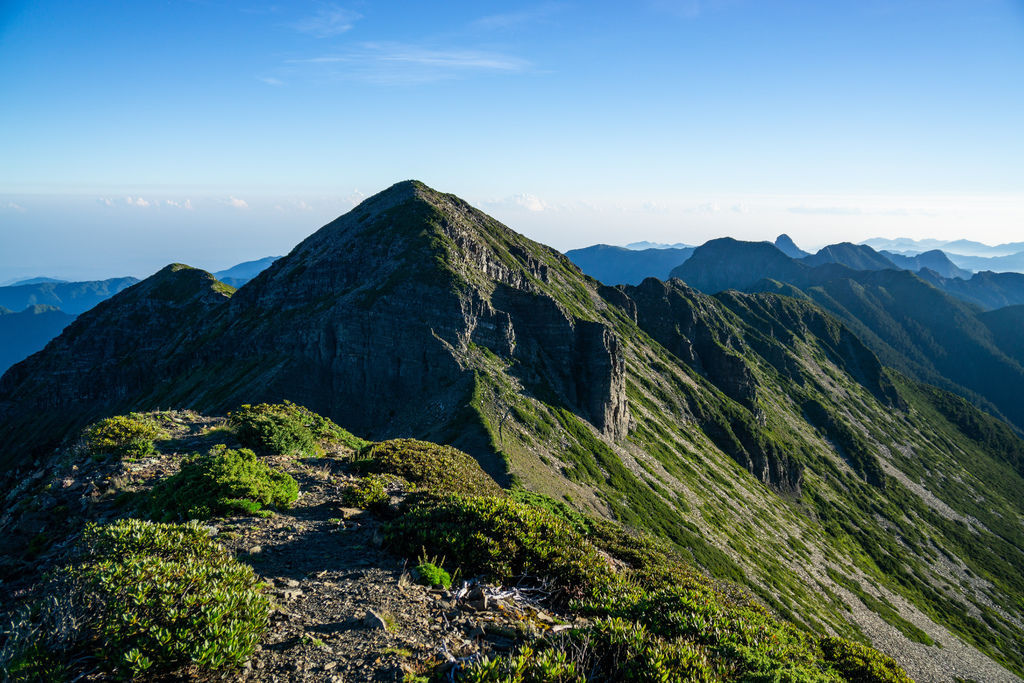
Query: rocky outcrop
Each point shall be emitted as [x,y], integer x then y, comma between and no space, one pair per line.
[690,325]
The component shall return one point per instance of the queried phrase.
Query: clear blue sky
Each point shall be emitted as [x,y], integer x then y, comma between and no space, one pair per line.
[133,134]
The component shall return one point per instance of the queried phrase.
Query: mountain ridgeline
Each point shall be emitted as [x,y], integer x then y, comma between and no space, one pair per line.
[757,432]
[905,318]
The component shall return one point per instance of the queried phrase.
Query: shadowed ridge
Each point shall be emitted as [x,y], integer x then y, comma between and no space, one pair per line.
[108,356]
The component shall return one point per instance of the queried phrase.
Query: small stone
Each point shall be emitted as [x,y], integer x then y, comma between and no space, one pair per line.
[255,550]
[291,594]
[330,665]
[374,620]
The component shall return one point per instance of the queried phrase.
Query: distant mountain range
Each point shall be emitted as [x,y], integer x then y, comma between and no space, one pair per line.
[70,297]
[35,310]
[236,276]
[950,259]
[25,332]
[656,245]
[951,247]
[921,324]
[627,266]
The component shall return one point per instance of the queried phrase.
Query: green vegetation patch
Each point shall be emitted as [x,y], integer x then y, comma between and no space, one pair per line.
[502,539]
[436,469]
[129,435]
[142,600]
[432,575]
[369,492]
[288,429]
[688,632]
[224,481]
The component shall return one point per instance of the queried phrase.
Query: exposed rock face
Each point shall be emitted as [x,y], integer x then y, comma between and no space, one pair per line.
[373,314]
[369,320]
[580,360]
[695,328]
[690,325]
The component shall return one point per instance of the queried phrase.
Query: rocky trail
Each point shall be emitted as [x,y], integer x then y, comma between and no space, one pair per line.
[346,608]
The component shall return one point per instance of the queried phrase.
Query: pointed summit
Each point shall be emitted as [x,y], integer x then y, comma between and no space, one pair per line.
[787,246]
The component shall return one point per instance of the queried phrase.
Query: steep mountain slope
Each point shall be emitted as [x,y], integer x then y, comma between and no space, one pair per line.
[753,431]
[70,297]
[622,266]
[909,324]
[1007,328]
[855,256]
[25,332]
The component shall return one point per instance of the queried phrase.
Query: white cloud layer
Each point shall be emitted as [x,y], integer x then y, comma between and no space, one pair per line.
[328,21]
[391,63]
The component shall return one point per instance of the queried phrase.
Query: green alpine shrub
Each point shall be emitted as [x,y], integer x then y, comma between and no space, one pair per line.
[432,575]
[144,600]
[370,492]
[502,539]
[288,429]
[428,466]
[222,482]
[123,435]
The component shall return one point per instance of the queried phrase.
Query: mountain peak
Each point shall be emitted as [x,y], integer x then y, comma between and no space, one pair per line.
[787,246]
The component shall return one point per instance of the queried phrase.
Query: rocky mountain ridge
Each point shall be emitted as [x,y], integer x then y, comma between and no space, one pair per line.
[907,319]
[754,432]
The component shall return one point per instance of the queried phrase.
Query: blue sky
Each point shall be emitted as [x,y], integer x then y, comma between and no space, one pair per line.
[133,134]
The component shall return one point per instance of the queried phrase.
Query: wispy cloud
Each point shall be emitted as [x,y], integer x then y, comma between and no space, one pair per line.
[857,211]
[137,201]
[328,21]
[521,201]
[688,9]
[531,202]
[11,206]
[400,63]
[516,19]
[706,208]
[237,203]
[185,204]
[270,80]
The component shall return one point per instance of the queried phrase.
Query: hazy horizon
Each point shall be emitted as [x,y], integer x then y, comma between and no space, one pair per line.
[211,133]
